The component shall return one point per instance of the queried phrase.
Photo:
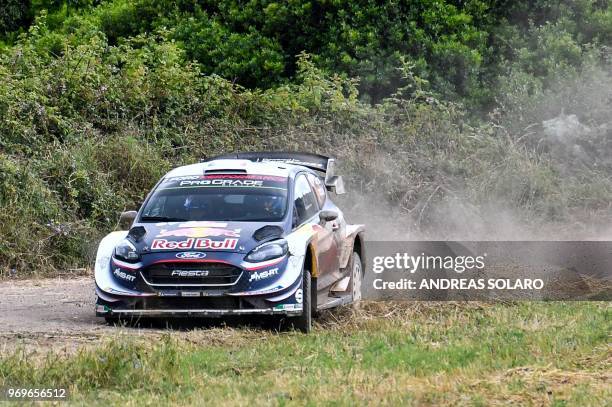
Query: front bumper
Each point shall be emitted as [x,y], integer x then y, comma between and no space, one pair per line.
[277,293]
[189,306]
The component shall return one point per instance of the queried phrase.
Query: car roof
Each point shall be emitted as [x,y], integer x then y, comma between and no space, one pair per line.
[236,166]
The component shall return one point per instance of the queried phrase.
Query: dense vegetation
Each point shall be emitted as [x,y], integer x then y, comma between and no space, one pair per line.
[426,102]
[464,49]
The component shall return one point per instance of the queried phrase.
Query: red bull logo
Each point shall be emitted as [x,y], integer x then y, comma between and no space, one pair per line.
[193,243]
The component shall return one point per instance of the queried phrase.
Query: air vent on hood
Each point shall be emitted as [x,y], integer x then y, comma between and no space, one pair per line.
[137,233]
[225,172]
[268,232]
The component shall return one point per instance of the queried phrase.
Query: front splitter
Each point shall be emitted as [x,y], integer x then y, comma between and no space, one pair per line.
[196,312]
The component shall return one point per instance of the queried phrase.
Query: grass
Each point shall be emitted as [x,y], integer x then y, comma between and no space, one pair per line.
[412,353]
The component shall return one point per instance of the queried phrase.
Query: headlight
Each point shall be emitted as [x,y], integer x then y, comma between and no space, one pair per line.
[268,251]
[126,251]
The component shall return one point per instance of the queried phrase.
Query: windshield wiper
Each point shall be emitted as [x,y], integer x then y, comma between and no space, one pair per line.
[162,219]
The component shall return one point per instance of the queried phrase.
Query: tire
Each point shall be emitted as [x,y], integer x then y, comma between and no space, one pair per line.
[111,320]
[356,279]
[303,323]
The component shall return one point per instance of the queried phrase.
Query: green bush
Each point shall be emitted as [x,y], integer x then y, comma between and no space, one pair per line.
[463,49]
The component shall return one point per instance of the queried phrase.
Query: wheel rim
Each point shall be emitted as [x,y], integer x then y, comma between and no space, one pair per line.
[357,280]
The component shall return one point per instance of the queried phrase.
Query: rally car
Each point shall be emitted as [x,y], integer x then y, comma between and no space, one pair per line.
[242,233]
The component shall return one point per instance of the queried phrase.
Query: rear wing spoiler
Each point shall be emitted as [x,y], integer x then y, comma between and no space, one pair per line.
[315,162]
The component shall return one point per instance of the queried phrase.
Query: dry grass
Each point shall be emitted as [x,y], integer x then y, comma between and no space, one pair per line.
[412,353]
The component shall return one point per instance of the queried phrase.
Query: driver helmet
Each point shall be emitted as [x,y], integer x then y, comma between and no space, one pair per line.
[273,205]
[196,206]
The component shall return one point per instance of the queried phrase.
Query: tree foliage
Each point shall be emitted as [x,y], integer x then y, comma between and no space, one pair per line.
[461,48]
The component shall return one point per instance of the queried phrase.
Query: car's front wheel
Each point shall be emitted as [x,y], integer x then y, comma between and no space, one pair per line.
[111,320]
[303,322]
[356,279]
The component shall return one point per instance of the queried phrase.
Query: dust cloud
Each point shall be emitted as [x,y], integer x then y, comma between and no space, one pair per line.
[567,130]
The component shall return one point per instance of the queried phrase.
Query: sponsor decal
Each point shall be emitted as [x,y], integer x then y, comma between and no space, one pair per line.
[168,293]
[190,255]
[226,180]
[256,276]
[190,294]
[193,243]
[221,183]
[288,307]
[253,177]
[225,244]
[163,244]
[273,178]
[212,293]
[199,232]
[123,275]
[260,292]
[298,296]
[189,273]
[183,178]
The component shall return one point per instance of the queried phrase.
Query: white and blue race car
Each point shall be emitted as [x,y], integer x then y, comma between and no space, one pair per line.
[244,233]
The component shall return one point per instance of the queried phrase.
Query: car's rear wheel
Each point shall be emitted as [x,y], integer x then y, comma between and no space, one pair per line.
[356,279]
[303,322]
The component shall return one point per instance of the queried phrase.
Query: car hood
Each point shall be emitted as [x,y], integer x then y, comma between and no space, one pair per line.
[237,237]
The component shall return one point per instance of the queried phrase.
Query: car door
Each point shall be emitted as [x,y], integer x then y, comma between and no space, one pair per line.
[337,226]
[306,210]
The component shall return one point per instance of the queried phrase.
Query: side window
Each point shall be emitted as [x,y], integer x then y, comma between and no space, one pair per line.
[318,188]
[305,201]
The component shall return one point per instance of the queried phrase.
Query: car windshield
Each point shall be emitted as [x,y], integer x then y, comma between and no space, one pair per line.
[226,197]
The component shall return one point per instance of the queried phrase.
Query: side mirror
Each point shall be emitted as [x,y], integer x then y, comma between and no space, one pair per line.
[126,219]
[335,184]
[328,216]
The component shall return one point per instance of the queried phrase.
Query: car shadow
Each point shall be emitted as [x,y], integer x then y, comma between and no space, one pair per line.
[261,322]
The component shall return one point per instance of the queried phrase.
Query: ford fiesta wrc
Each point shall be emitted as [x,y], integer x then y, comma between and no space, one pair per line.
[239,234]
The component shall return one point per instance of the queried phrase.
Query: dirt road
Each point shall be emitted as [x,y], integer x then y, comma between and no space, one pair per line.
[58,314]
[48,306]
[48,311]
